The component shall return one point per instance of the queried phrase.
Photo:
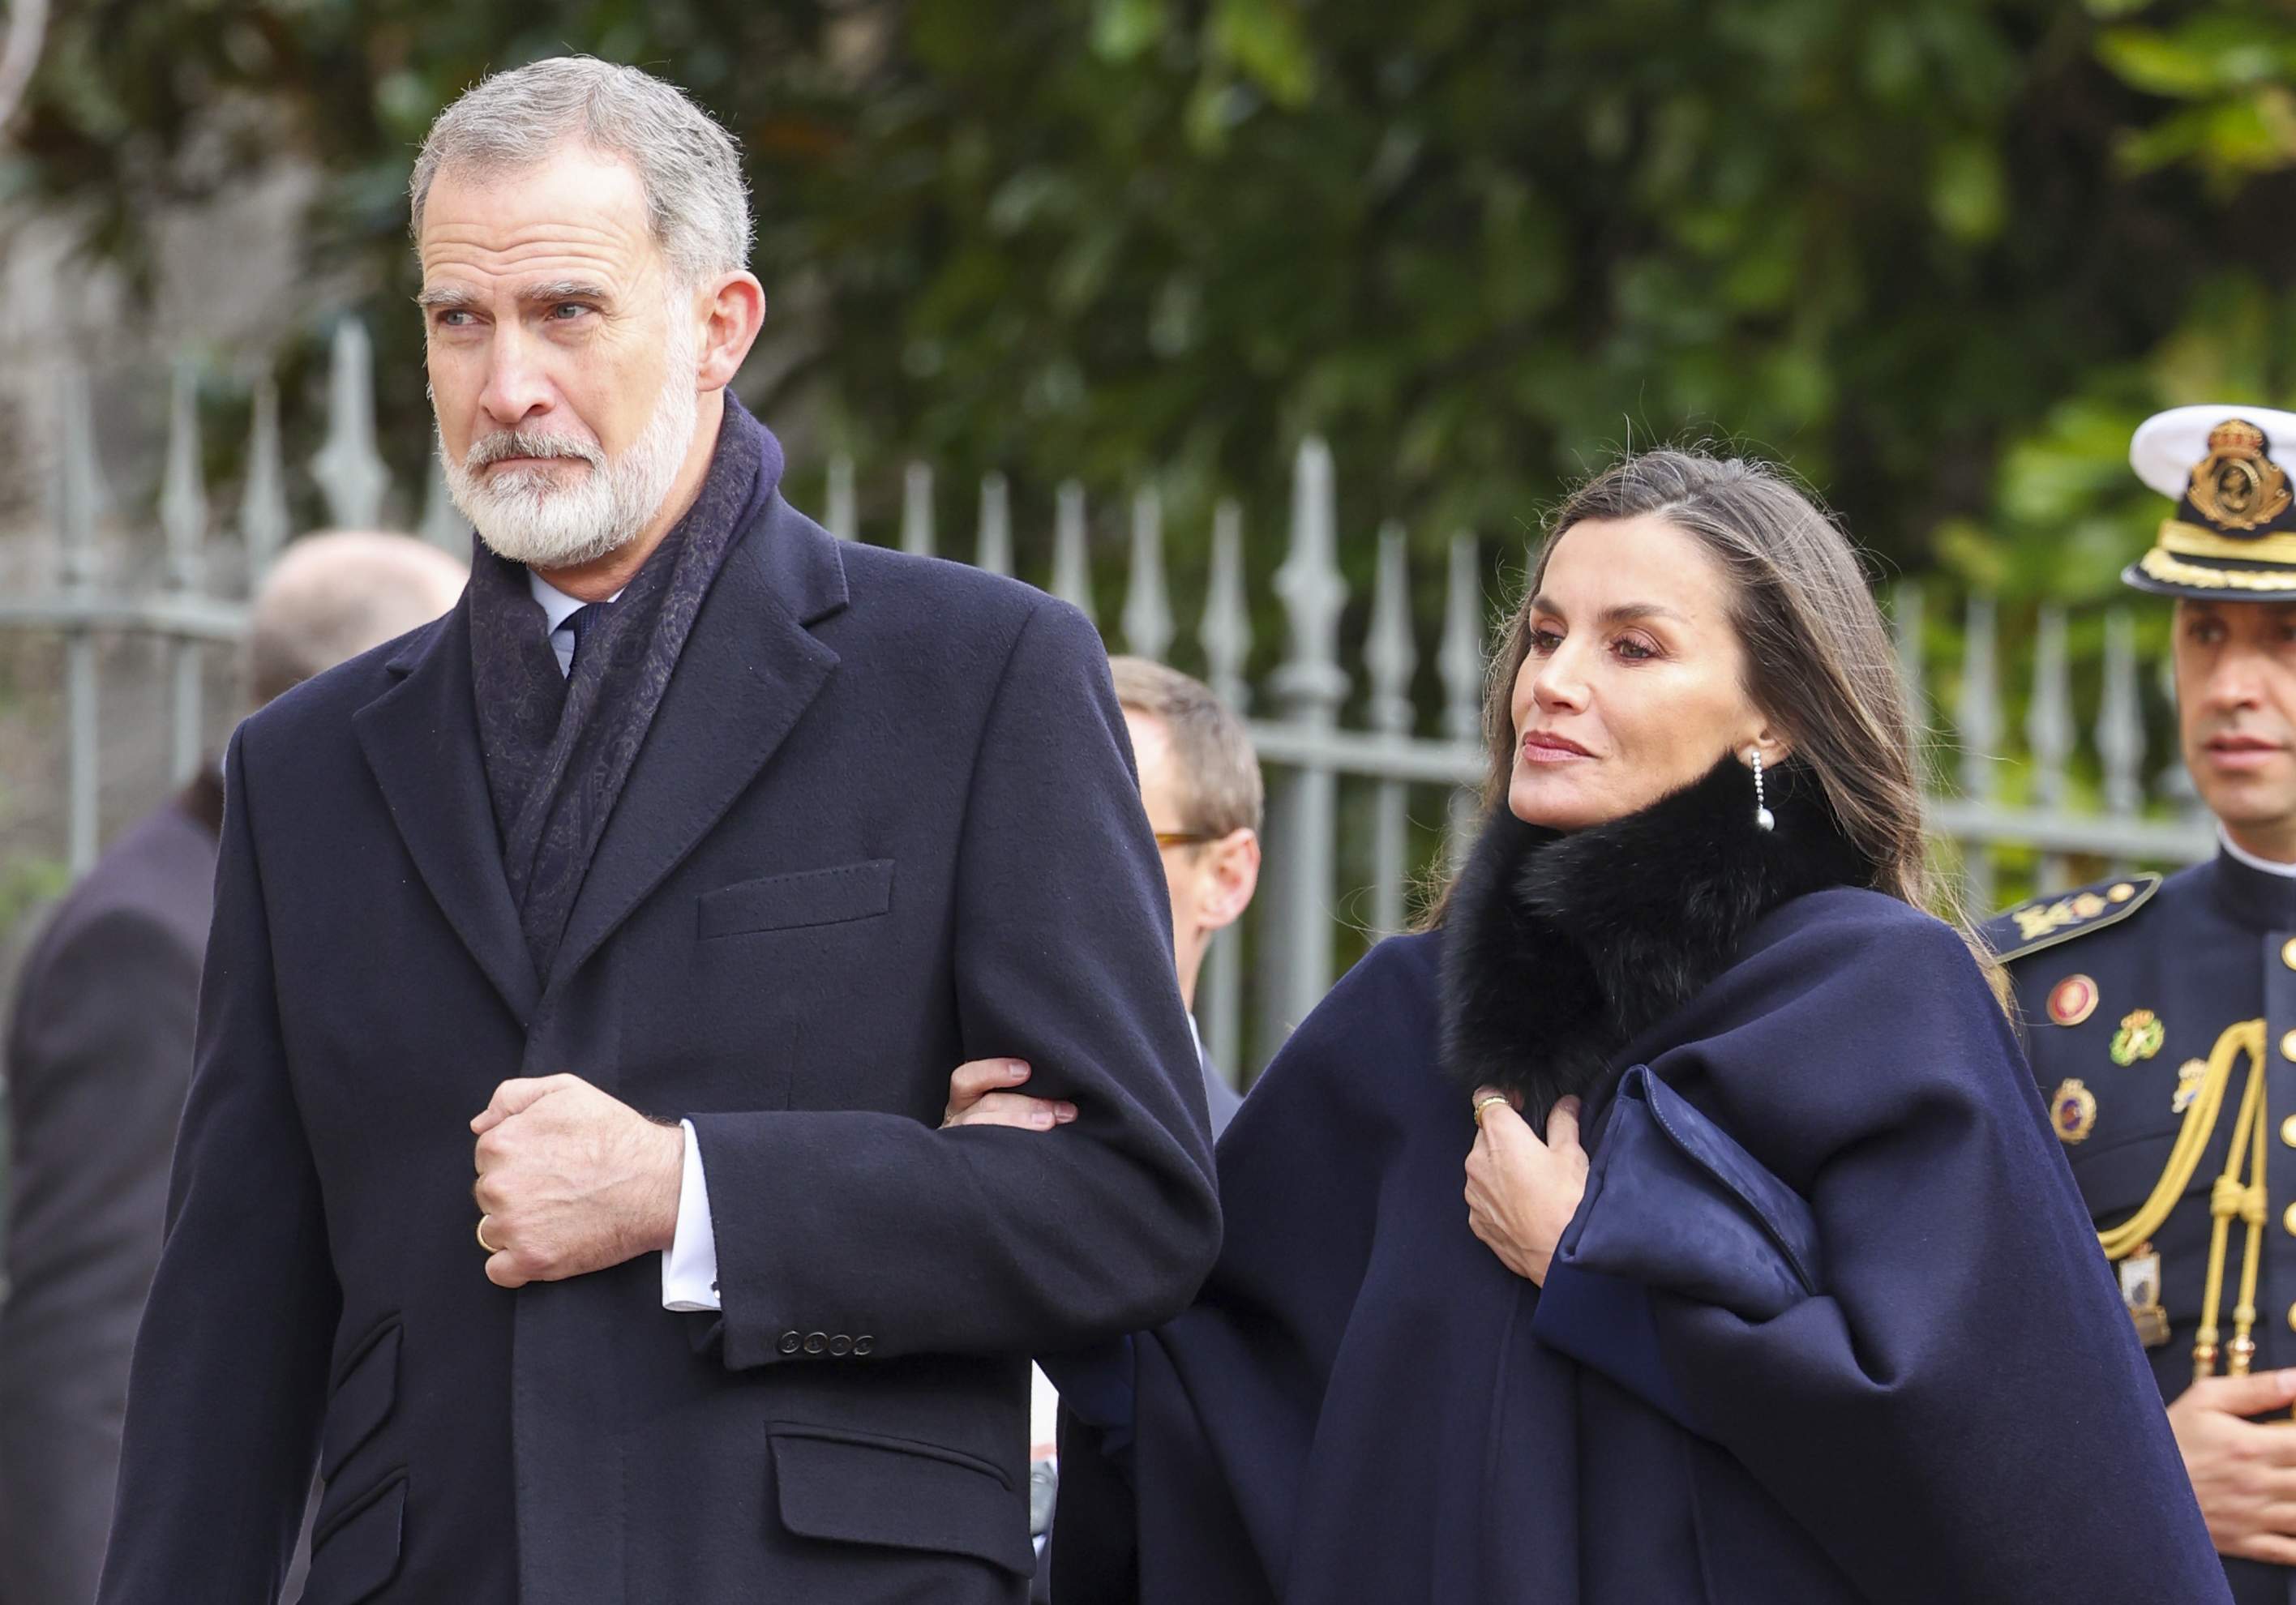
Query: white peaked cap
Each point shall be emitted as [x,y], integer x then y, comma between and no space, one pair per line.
[2169,446]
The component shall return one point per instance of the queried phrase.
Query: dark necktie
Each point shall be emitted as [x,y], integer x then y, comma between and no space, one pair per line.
[582,621]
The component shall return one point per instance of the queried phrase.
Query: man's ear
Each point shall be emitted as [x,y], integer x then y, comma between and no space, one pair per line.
[1231,868]
[733,310]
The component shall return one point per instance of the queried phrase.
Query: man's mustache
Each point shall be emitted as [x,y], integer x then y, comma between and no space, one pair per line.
[524,443]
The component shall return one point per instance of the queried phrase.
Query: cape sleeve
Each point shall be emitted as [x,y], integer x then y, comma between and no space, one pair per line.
[1961,1409]
[1227,1397]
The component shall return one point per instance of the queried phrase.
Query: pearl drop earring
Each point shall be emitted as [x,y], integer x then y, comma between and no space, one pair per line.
[1764,820]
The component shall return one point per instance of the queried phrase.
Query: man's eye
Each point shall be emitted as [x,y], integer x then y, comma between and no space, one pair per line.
[567,311]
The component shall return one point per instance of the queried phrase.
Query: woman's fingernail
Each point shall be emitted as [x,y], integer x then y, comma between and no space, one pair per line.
[1064,1112]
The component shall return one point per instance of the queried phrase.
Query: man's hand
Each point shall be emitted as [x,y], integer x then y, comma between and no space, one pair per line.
[2243,1471]
[571,1181]
[977,1097]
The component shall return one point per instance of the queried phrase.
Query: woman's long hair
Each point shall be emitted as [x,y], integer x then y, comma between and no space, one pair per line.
[1818,658]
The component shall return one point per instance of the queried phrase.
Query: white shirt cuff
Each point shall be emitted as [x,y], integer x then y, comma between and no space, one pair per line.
[689,1270]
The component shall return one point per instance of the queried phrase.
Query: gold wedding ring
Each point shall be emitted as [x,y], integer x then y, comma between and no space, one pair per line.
[1483,1104]
[479,1231]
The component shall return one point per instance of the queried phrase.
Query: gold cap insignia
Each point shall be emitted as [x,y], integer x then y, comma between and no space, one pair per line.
[2236,487]
[2073,1111]
[2140,1037]
[2189,1076]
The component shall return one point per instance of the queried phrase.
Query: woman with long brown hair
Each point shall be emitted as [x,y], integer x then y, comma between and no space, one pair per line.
[1811,1313]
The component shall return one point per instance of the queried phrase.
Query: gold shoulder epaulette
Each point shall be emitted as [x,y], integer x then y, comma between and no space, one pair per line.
[2046,921]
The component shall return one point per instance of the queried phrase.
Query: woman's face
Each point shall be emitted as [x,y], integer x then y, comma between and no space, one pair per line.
[1634,686]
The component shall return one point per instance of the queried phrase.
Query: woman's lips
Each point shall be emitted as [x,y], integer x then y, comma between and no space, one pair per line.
[1541,747]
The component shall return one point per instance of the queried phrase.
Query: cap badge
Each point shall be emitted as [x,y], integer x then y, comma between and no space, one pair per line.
[2073,1111]
[2073,1000]
[2140,1037]
[2236,487]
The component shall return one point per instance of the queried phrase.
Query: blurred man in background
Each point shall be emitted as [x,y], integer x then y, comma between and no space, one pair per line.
[99,1054]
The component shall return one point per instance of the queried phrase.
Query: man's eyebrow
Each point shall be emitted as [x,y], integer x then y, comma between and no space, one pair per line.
[456,296]
[1621,612]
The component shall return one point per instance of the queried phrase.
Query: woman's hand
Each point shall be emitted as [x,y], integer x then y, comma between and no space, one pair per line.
[1521,1192]
[975,1098]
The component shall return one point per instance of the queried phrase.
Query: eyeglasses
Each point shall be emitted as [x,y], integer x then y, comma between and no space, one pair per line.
[1183,839]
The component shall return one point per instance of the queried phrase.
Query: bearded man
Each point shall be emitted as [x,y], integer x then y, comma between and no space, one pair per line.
[658,885]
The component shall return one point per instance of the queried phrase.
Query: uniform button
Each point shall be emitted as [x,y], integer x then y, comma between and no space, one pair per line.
[842,1343]
[2291,1316]
[815,1342]
[2289,1220]
[2288,1045]
[2288,952]
[862,1344]
[791,1341]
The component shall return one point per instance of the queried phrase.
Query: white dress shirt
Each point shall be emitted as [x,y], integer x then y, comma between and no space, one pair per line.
[689,1269]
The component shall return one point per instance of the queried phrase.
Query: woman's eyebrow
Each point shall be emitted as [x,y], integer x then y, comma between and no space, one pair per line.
[1619,612]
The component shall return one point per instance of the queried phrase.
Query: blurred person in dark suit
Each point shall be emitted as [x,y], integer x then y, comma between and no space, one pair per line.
[98,1056]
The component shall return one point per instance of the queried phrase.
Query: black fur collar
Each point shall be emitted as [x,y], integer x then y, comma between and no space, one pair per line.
[1560,949]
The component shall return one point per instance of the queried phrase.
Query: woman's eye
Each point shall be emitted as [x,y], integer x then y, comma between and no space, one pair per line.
[1633,651]
[1544,641]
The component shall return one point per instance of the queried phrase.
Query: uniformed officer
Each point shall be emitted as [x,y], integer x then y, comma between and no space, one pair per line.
[2161,1014]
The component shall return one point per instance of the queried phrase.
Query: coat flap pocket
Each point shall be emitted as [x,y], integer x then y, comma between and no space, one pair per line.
[852,891]
[358,1552]
[857,1488]
[362,1401]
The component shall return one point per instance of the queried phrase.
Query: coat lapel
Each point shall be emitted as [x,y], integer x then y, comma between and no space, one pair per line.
[420,738]
[748,671]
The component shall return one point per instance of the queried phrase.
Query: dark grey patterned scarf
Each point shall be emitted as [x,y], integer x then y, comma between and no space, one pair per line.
[559,749]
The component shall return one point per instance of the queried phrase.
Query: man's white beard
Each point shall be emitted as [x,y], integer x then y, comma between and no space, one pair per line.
[525,514]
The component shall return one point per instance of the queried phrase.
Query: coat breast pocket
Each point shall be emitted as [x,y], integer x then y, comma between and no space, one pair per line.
[799,898]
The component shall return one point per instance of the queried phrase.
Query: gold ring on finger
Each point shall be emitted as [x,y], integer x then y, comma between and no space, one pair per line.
[1483,1104]
[481,1231]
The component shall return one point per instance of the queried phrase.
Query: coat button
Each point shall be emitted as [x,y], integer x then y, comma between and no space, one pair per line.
[862,1344]
[2291,1316]
[815,1342]
[842,1343]
[791,1341]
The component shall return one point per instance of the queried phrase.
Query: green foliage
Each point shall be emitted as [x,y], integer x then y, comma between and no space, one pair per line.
[1941,254]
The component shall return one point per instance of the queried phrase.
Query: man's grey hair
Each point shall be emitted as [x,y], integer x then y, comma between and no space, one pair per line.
[1218,779]
[330,597]
[697,203]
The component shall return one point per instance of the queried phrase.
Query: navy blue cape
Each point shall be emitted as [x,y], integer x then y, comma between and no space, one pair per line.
[1359,1407]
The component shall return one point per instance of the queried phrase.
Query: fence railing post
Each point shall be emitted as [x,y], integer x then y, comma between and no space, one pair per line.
[917,510]
[1460,661]
[992,552]
[1389,656]
[184,517]
[1978,723]
[78,503]
[2049,729]
[1071,564]
[352,476]
[1226,635]
[263,516]
[1147,603]
[1309,687]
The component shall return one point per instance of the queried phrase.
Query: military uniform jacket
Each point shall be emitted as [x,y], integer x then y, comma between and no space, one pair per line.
[2127,991]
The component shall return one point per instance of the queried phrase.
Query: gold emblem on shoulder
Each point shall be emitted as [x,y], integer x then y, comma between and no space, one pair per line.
[2140,1037]
[2073,1111]
[2121,893]
[2189,1076]
[2236,487]
[2073,1000]
[2087,906]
